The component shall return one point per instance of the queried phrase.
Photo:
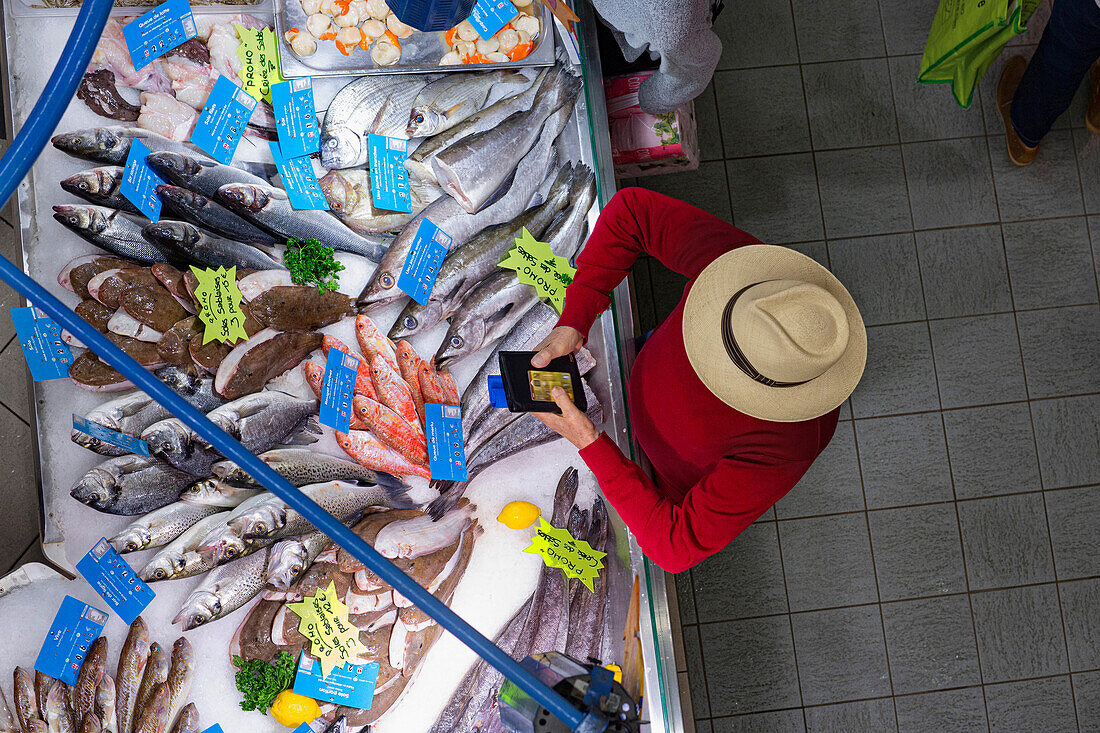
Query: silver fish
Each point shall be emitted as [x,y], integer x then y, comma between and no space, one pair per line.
[160,527]
[180,676]
[129,414]
[443,104]
[112,144]
[197,390]
[345,500]
[198,173]
[59,712]
[105,704]
[109,230]
[188,242]
[130,485]
[302,466]
[291,557]
[131,668]
[225,589]
[205,212]
[180,559]
[100,186]
[393,116]
[488,313]
[26,702]
[223,543]
[216,493]
[420,162]
[472,169]
[173,443]
[348,193]
[262,420]
[188,721]
[270,208]
[156,672]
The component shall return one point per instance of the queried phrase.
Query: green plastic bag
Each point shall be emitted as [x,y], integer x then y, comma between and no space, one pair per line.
[966,37]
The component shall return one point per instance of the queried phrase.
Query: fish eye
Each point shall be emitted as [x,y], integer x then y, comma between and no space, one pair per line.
[159,574]
[231,552]
[131,546]
[261,527]
[409,322]
[386,280]
[456,341]
[331,142]
[418,118]
[197,620]
[94,497]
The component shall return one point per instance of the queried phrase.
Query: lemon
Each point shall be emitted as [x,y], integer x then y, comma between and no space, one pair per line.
[518,514]
[291,709]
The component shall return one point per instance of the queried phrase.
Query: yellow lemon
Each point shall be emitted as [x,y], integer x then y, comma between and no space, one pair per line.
[291,709]
[518,514]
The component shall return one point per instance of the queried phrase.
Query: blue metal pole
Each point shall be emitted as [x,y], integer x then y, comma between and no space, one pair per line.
[15,164]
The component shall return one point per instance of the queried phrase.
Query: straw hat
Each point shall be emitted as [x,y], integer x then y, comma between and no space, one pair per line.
[773,334]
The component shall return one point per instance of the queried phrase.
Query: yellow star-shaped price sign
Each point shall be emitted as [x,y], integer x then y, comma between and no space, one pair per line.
[559,549]
[259,61]
[325,623]
[537,265]
[219,301]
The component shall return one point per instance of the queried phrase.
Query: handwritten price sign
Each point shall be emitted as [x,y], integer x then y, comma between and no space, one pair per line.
[537,265]
[219,302]
[575,557]
[259,61]
[325,623]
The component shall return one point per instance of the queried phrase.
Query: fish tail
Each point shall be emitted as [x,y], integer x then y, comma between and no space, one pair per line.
[396,491]
[449,494]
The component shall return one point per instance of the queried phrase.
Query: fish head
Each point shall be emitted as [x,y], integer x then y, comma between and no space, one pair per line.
[58,697]
[201,606]
[168,437]
[181,199]
[82,183]
[222,545]
[98,489]
[459,341]
[182,380]
[174,167]
[260,521]
[244,197]
[95,143]
[341,148]
[132,539]
[423,121]
[171,233]
[381,290]
[81,218]
[408,323]
[340,194]
[228,472]
[162,567]
[290,558]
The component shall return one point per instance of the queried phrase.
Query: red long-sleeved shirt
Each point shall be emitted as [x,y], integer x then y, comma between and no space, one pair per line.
[717,469]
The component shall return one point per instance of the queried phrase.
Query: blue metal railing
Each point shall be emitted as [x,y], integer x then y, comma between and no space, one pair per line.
[15,164]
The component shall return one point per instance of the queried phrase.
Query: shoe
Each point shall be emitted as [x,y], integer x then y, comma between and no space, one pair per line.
[1018,152]
[1092,115]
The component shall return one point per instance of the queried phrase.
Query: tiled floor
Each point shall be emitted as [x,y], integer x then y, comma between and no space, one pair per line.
[938,569]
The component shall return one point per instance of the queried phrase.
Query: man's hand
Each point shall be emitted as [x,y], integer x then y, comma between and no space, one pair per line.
[559,342]
[571,424]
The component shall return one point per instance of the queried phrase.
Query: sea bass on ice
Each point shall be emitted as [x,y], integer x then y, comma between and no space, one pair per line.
[100,186]
[187,242]
[130,485]
[160,527]
[204,212]
[109,230]
[111,145]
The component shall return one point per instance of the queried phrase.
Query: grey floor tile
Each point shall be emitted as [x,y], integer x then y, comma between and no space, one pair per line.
[865,716]
[827,561]
[704,726]
[906,27]
[19,499]
[978,360]
[1045,705]
[831,485]
[917,551]
[764,37]
[706,125]
[992,450]
[823,637]
[904,460]
[1019,633]
[816,251]
[1048,187]
[1086,688]
[964,271]
[927,111]
[899,376]
[931,644]
[1067,432]
[770,682]
[1094,232]
[1061,348]
[774,198]
[705,188]
[762,111]
[1087,146]
[938,712]
[1050,262]
[1074,519]
[1005,541]
[751,564]
[862,191]
[14,384]
[685,598]
[949,183]
[882,275]
[837,32]
[700,704]
[850,104]
[8,299]
[780,721]
[1081,615]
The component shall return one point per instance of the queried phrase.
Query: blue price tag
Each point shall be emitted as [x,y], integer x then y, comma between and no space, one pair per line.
[429,247]
[116,581]
[337,390]
[214,729]
[299,180]
[111,437]
[296,117]
[40,338]
[158,31]
[139,182]
[351,685]
[72,632]
[223,120]
[446,451]
[497,396]
[489,16]
[389,180]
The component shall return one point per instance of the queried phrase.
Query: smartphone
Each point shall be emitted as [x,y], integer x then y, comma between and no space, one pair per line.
[527,389]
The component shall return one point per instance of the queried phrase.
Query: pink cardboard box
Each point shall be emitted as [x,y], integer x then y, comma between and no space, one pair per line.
[644,144]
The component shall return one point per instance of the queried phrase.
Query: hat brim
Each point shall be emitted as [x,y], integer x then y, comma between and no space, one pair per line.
[703,336]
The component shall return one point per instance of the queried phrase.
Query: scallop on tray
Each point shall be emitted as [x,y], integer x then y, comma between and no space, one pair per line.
[346,37]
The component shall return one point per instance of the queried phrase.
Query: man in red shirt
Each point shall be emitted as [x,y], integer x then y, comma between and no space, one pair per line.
[732,397]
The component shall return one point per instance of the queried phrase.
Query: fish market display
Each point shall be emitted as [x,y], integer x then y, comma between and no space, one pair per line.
[348,194]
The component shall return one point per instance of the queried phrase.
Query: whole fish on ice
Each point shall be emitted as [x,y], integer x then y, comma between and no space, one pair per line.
[111,145]
[100,186]
[302,466]
[130,485]
[198,173]
[109,230]
[160,527]
[348,193]
[267,354]
[444,103]
[202,211]
[188,242]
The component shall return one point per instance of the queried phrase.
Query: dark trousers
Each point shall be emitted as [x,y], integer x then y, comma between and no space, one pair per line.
[1070,45]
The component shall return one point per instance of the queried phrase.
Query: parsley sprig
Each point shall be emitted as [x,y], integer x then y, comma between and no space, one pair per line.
[309,261]
[261,682]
